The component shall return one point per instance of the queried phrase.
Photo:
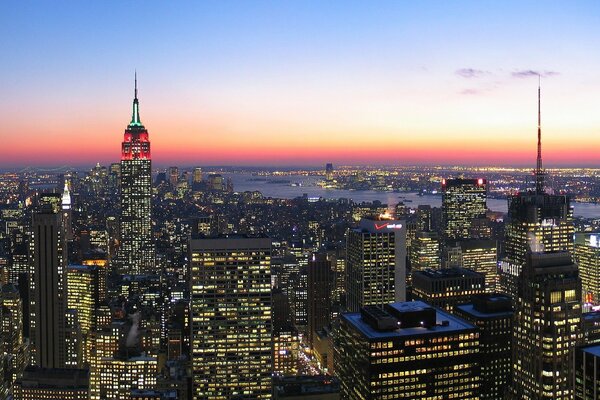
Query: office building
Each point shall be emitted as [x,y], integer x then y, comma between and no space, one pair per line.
[48,286]
[319,275]
[84,294]
[286,345]
[463,202]
[136,251]
[52,384]
[230,289]
[547,327]
[587,258]
[116,377]
[587,372]
[493,315]
[15,347]
[448,287]
[406,350]
[537,222]
[479,255]
[425,251]
[376,263]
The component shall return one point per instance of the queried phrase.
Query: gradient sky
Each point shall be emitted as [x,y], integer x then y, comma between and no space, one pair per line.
[301,82]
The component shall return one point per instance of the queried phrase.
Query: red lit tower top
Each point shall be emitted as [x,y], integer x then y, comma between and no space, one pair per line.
[136,145]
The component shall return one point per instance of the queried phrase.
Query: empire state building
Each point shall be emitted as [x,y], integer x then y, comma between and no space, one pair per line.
[136,251]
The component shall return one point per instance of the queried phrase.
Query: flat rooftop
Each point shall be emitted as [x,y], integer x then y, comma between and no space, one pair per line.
[447,273]
[454,324]
[469,308]
[593,350]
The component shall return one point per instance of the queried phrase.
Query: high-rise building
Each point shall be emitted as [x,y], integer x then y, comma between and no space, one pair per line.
[406,350]
[84,293]
[14,345]
[587,372]
[230,288]
[286,344]
[173,176]
[448,287]
[492,314]
[197,175]
[376,263]
[547,327]
[425,251]
[329,171]
[52,384]
[319,272]
[479,255]
[537,222]
[587,257]
[591,327]
[48,286]
[136,251]
[463,202]
[114,378]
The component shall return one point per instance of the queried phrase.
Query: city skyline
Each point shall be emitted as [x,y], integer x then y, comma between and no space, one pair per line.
[266,84]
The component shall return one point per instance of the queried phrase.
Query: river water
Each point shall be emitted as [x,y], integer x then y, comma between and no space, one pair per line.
[247,182]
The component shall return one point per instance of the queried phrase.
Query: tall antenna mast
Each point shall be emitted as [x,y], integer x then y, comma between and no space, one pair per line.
[539,170]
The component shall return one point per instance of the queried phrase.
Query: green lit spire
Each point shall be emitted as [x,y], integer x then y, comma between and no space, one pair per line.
[135,116]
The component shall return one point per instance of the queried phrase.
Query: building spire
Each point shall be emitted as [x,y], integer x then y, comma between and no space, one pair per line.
[539,170]
[135,116]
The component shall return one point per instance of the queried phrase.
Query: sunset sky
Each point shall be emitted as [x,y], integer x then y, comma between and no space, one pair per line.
[301,82]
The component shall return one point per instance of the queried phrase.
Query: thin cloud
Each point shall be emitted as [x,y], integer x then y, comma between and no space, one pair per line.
[471,92]
[530,73]
[471,73]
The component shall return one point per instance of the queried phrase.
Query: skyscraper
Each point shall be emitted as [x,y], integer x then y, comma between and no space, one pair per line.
[448,287]
[537,222]
[136,252]
[48,286]
[319,294]
[493,315]
[230,290]
[547,327]
[587,257]
[463,203]
[406,350]
[376,263]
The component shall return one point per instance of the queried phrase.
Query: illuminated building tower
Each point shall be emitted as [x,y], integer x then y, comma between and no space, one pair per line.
[479,255]
[66,211]
[197,175]
[537,222]
[286,344]
[136,252]
[448,287]
[547,327]
[425,251]
[114,378]
[406,350]
[492,314]
[48,286]
[319,295]
[329,171]
[52,384]
[84,293]
[587,257]
[298,290]
[587,372]
[376,263]
[14,344]
[173,176]
[230,289]
[463,203]
[591,327]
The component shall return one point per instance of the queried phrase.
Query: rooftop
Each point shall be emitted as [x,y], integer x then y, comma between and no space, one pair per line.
[445,322]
